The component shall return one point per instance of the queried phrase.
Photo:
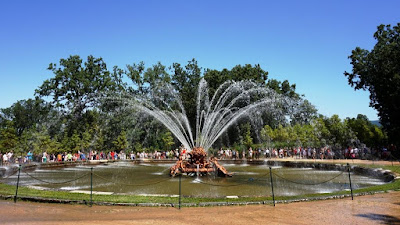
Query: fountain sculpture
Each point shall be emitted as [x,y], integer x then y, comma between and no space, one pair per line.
[231,101]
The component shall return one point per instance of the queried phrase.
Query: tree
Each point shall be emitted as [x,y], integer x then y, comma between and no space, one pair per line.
[185,81]
[341,134]
[75,89]
[144,79]
[121,143]
[26,114]
[267,134]
[283,88]
[247,140]
[304,113]
[43,143]
[378,71]
[8,137]
[254,73]
[366,132]
[168,140]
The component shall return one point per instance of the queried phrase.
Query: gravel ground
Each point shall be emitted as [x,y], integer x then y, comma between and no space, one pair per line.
[371,209]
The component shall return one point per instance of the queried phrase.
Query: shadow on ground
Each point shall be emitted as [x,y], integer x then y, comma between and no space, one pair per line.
[384,219]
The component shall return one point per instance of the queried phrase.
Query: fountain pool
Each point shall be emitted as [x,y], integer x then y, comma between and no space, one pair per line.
[149,179]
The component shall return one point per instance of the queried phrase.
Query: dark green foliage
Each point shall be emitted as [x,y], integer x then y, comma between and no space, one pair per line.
[378,71]
[8,137]
[25,114]
[185,81]
[75,87]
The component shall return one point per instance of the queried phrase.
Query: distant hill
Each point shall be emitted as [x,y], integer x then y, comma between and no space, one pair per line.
[375,122]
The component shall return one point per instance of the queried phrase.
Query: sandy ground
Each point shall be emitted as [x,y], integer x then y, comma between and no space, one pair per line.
[373,209]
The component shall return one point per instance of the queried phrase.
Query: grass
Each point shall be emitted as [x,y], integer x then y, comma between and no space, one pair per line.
[25,192]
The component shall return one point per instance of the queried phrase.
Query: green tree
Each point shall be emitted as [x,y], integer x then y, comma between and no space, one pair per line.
[254,73]
[26,141]
[366,132]
[8,137]
[26,114]
[168,140]
[185,81]
[75,86]
[121,143]
[144,79]
[76,89]
[283,88]
[246,138]
[304,113]
[44,143]
[378,71]
[341,134]
[267,135]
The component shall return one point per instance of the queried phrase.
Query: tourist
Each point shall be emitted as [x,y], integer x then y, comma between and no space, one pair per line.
[267,153]
[69,157]
[132,155]
[321,153]
[51,159]
[10,157]
[281,153]
[44,157]
[5,159]
[29,155]
[356,152]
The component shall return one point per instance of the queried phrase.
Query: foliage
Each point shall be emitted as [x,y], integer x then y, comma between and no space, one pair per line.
[247,140]
[121,143]
[321,132]
[25,114]
[367,133]
[79,116]
[167,140]
[76,88]
[378,72]
[8,137]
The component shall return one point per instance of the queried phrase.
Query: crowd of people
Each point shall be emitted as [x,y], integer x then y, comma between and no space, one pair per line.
[297,153]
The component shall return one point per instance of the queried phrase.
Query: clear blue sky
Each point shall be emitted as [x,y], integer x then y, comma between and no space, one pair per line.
[306,42]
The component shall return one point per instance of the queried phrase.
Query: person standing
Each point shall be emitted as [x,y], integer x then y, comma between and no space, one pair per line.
[44,157]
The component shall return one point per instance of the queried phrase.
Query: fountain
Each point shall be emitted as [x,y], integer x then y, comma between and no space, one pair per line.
[231,101]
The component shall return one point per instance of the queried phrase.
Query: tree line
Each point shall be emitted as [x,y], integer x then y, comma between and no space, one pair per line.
[68,112]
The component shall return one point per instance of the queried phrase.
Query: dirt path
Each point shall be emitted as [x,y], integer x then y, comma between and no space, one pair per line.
[373,209]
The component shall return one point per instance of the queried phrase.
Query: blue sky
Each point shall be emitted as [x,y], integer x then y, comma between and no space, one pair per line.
[305,42]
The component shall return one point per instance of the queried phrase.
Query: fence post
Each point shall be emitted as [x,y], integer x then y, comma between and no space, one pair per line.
[351,188]
[16,191]
[91,186]
[272,185]
[180,189]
